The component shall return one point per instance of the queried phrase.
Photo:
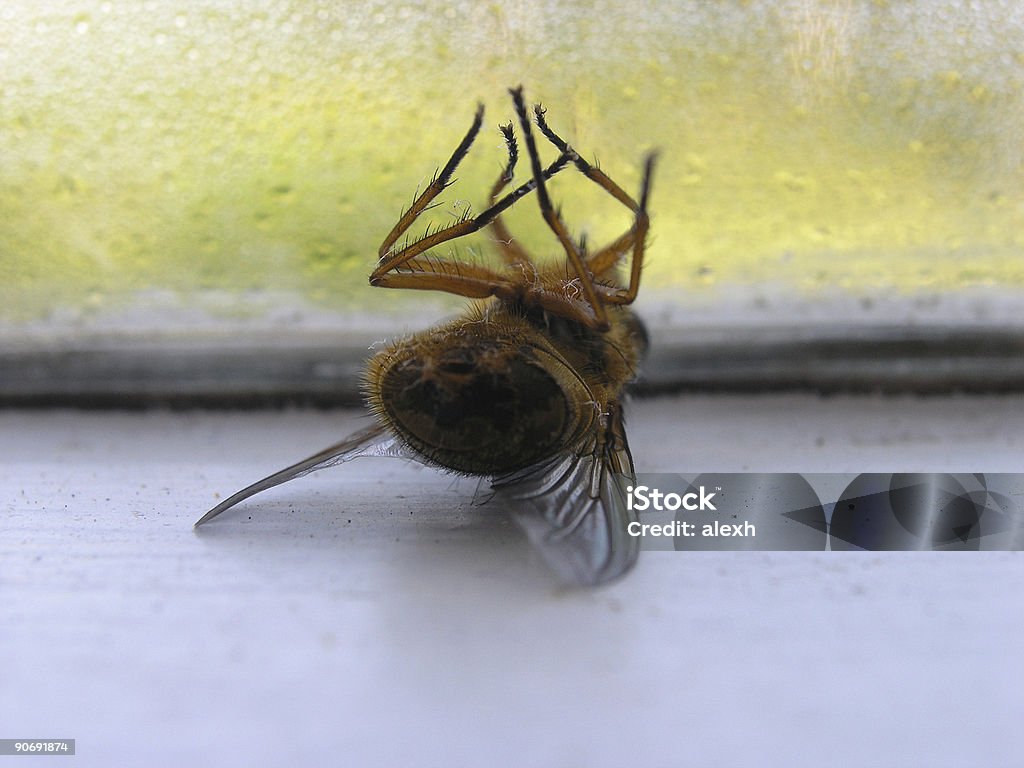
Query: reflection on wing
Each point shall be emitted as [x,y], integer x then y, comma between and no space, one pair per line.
[573,508]
[372,441]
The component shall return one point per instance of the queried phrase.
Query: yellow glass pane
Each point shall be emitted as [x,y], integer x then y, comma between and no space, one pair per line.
[253,147]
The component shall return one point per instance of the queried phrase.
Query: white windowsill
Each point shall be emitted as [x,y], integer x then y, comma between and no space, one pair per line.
[369,614]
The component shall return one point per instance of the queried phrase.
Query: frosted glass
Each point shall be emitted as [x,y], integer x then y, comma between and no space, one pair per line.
[867,147]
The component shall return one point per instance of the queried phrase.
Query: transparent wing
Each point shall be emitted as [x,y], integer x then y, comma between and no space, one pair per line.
[372,441]
[573,508]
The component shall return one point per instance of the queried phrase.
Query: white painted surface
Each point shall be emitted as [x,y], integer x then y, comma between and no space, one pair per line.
[368,615]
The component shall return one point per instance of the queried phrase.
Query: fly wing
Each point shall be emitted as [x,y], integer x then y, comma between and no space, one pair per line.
[372,441]
[573,507]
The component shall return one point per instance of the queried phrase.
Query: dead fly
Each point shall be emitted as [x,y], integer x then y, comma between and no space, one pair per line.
[525,388]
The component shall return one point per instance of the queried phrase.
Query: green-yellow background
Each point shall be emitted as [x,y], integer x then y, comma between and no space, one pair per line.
[250,146]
